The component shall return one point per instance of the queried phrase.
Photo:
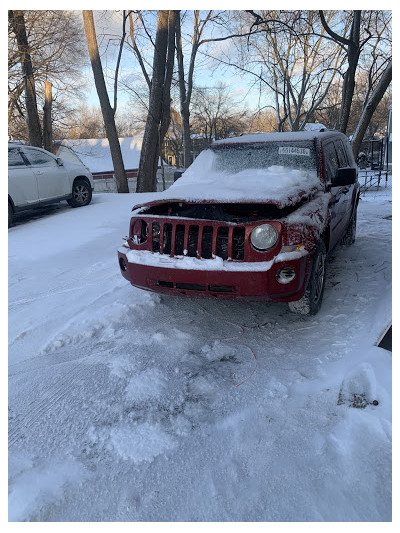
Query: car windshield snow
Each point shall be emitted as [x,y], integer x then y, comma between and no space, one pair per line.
[236,158]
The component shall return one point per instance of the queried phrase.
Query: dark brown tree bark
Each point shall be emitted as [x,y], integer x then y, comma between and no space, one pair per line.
[369,109]
[47,121]
[184,98]
[159,103]
[17,22]
[107,111]
[353,49]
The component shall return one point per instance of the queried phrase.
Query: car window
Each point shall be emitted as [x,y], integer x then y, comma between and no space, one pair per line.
[331,160]
[343,161]
[15,158]
[36,157]
[239,157]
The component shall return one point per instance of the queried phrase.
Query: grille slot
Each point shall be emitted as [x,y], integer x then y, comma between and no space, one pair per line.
[193,241]
[190,286]
[220,288]
[168,284]
[222,242]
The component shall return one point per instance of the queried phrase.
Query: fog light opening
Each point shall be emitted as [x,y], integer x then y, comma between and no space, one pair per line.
[285,275]
[122,264]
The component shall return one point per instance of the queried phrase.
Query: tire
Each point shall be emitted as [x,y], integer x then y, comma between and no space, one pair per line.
[350,236]
[81,193]
[311,301]
[10,215]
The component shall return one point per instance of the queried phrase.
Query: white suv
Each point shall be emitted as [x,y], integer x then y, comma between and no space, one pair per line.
[37,177]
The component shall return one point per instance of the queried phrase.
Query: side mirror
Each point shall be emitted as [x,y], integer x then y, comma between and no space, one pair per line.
[60,162]
[344,176]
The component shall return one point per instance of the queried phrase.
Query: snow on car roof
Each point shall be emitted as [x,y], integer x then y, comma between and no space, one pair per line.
[277,137]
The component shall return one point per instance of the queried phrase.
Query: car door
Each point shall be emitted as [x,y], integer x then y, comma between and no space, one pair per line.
[52,178]
[22,182]
[347,191]
[337,204]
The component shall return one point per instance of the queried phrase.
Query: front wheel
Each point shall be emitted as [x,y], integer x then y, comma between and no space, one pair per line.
[311,301]
[81,193]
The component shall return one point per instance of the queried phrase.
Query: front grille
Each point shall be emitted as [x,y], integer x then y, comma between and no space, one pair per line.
[198,240]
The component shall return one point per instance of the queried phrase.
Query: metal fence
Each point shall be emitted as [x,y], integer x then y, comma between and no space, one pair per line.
[374,180]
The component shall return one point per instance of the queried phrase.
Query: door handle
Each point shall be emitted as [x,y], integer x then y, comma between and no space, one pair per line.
[38,172]
[345,190]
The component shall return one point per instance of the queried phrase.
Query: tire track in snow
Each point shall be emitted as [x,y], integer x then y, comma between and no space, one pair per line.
[37,409]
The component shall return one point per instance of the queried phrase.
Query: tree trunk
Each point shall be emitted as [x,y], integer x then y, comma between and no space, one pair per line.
[47,123]
[184,100]
[369,109]
[159,102]
[107,111]
[17,22]
[353,50]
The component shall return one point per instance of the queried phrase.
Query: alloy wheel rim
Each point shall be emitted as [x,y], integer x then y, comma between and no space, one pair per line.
[80,194]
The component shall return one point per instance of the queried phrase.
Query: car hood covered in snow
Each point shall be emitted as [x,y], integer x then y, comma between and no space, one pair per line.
[276,185]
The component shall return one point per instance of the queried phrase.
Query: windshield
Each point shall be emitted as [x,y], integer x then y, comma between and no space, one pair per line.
[239,157]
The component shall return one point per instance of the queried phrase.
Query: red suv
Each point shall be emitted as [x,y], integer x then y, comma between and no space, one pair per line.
[252,218]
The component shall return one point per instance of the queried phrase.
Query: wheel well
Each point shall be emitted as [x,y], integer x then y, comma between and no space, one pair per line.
[325,239]
[84,178]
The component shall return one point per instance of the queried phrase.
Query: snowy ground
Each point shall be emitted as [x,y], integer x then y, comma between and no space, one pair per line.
[128,406]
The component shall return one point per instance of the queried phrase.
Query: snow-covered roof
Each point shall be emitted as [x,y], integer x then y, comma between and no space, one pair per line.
[95,153]
[311,126]
[274,137]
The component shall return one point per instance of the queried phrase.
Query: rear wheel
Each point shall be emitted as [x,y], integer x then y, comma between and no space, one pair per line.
[81,193]
[350,236]
[311,301]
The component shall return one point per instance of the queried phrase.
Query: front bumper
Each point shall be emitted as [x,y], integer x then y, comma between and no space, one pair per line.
[214,278]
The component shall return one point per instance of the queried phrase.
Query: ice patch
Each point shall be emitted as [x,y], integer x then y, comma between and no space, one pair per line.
[140,442]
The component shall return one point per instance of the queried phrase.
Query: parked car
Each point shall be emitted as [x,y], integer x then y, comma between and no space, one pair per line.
[37,177]
[253,218]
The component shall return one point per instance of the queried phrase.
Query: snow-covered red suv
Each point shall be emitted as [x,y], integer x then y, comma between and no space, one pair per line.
[253,218]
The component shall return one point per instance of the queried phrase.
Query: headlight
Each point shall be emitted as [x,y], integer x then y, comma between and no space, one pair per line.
[264,237]
[140,231]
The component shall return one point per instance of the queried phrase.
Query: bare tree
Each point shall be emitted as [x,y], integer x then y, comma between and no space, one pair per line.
[370,107]
[17,22]
[212,18]
[159,102]
[216,115]
[55,43]
[353,46]
[107,111]
[294,62]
